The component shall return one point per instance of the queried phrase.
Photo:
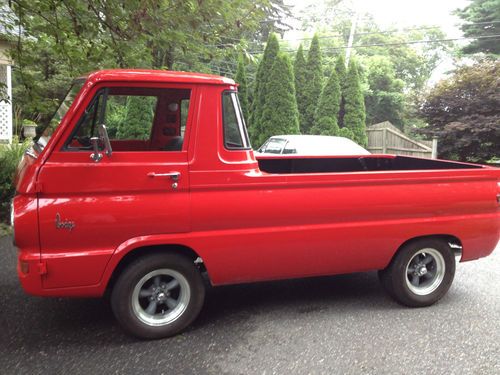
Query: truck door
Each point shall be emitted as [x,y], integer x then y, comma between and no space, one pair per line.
[91,202]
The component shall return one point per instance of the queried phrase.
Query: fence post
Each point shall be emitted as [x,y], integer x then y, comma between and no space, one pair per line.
[434,154]
[384,141]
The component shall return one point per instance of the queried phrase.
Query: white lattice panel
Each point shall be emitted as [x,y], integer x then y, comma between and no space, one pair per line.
[6,108]
[5,122]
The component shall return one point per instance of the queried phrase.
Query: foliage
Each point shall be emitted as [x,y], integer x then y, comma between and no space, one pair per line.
[116,112]
[4,97]
[314,85]
[342,77]
[10,155]
[300,73]
[60,40]
[5,230]
[481,18]
[326,12]
[327,111]
[138,118]
[275,12]
[280,114]
[346,132]
[413,63]
[261,87]
[463,111]
[384,99]
[354,117]
[241,79]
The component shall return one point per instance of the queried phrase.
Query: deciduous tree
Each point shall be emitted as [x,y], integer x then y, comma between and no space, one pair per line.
[384,99]
[60,40]
[463,111]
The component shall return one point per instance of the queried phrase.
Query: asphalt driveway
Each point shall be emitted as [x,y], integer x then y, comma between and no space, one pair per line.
[342,324]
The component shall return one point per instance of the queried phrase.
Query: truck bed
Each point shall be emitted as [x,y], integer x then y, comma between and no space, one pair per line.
[296,164]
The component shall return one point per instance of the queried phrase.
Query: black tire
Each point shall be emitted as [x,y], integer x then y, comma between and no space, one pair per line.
[150,282]
[420,273]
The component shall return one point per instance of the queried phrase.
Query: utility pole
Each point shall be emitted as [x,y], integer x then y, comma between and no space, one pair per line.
[351,37]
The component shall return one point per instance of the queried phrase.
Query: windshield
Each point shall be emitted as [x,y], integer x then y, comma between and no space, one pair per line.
[273,146]
[59,114]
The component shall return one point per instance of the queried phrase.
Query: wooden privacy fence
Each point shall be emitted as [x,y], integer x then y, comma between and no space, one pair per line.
[385,138]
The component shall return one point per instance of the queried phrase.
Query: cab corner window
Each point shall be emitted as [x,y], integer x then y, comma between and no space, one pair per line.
[235,134]
[137,119]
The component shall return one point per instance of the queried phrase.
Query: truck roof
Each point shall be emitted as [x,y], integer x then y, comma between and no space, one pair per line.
[156,76]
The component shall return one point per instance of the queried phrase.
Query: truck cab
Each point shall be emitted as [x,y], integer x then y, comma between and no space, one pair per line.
[82,189]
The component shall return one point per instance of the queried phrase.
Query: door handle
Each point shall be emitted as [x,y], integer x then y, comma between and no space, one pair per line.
[173,175]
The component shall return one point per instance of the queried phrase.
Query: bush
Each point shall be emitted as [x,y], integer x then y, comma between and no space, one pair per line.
[10,155]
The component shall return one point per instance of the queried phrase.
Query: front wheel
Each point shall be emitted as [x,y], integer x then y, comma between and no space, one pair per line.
[158,295]
[420,273]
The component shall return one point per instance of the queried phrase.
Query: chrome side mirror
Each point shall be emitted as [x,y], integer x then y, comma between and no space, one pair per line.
[102,139]
[96,155]
[103,135]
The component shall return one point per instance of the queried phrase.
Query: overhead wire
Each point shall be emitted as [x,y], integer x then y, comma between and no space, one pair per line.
[395,43]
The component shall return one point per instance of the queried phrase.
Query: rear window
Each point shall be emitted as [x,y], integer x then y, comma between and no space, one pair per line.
[235,133]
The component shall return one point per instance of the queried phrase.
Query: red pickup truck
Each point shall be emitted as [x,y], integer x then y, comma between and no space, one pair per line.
[148,181]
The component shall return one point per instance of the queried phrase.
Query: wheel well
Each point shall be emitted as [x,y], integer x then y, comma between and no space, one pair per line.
[147,250]
[454,243]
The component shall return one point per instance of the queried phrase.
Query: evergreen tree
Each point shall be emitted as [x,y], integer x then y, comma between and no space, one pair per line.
[241,79]
[355,116]
[341,74]
[314,85]
[346,132]
[280,114]
[481,19]
[138,119]
[300,72]
[327,111]
[261,79]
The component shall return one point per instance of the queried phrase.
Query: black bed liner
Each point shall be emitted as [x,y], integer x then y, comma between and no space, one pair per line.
[356,164]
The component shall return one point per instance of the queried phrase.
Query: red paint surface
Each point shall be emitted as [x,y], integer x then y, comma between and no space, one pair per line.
[245,224]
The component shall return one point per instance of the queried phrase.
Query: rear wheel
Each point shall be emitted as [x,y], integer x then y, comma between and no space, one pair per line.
[158,295]
[420,273]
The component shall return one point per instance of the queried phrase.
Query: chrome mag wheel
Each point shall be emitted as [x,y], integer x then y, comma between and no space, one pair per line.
[160,297]
[425,271]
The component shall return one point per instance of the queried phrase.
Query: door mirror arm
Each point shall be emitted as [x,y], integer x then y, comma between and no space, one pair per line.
[101,128]
[103,136]
[96,155]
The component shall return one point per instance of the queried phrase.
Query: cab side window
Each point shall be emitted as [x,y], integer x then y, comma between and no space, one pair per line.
[235,133]
[137,119]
